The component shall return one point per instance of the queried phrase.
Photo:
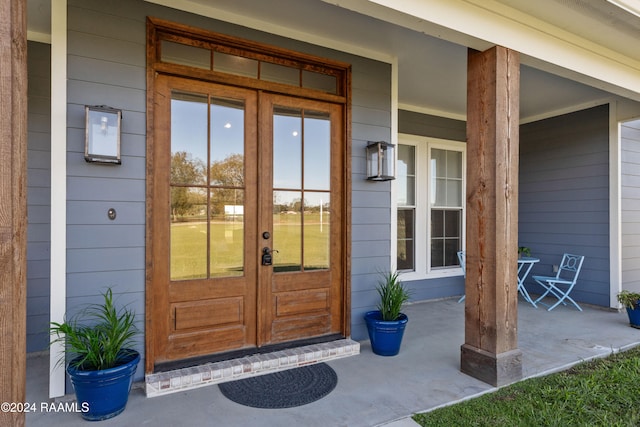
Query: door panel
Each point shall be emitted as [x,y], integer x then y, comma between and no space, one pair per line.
[301,146]
[205,178]
[234,172]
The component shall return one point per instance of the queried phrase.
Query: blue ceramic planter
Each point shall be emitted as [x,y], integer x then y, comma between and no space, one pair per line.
[634,316]
[104,394]
[385,335]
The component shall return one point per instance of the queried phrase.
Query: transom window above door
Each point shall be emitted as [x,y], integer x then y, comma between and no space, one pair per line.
[430,201]
[225,59]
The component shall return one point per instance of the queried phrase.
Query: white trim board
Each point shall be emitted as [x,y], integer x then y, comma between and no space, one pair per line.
[58,280]
[480,24]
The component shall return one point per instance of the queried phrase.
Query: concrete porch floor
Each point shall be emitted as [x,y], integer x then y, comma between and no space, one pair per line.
[374,390]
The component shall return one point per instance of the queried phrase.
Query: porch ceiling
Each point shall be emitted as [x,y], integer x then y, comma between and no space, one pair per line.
[431,69]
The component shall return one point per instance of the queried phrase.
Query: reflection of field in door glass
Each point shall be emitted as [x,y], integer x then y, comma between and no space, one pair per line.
[287,240]
[189,249]
[189,246]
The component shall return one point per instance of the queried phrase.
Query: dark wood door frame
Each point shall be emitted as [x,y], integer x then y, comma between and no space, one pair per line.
[158,30]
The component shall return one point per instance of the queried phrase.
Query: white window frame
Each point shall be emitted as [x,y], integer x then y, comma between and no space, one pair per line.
[422,239]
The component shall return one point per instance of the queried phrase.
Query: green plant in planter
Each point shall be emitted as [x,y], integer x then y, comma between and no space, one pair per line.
[393,295]
[99,337]
[629,299]
[102,363]
[524,251]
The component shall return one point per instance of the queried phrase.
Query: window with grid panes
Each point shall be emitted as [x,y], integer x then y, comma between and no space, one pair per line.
[430,205]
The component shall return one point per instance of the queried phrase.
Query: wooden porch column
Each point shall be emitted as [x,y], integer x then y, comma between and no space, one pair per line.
[13,206]
[490,350]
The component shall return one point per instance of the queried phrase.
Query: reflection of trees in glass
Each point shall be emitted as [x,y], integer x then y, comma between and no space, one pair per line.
[228,176]
[185,169]
[297,205]
[228,172]
[188,171]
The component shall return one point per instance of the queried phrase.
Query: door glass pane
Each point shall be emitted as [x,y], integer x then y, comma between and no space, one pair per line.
[316,230]
[287,230]
[188,249]
[287,148]
[317,151]
[188,204]
[227,142]
[226,227]
[212,242]
[188,138]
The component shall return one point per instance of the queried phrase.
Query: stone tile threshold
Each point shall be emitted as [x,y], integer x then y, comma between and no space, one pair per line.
[162,383]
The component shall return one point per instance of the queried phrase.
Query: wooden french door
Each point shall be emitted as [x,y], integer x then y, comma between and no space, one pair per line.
[246,220]
[301,295]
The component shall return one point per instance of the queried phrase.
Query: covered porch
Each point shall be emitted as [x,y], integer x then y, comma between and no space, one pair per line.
[374,390]
[426,373]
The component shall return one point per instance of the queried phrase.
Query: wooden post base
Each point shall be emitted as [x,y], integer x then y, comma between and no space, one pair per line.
[495,369]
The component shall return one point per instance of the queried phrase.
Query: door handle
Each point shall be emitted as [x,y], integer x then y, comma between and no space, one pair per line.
[267,259]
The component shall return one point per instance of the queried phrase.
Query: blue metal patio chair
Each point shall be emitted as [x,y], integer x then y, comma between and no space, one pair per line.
[461,259]
[565,279]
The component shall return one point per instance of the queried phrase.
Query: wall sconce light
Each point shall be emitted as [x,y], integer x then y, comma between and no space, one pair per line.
[102,134]
[381,161]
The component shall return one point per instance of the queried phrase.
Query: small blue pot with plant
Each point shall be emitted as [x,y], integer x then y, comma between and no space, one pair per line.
[386,325]
[631,301]
[98,343]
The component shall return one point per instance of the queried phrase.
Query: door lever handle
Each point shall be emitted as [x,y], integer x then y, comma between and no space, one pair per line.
[267,259]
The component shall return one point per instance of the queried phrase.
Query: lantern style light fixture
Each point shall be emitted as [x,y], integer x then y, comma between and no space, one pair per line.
[381,161]
[102,134]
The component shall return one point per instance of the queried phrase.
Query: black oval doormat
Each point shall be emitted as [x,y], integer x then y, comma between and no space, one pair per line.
[284,389]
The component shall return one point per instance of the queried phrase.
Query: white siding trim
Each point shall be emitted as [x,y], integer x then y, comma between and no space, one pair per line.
[36,36]
[394,140]
[58,284]
[615,206]
[566,110]
[432,112]
[481,24]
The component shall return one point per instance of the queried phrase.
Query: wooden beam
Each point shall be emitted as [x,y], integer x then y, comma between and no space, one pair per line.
[13,206]
[490,351]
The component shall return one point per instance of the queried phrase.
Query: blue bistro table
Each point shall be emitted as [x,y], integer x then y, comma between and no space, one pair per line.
[524,267]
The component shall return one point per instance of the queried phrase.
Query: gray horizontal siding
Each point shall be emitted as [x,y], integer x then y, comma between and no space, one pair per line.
[427,125]
[413,123]
[39,195]
[564,197]
[370,202]
[630,174]
[106,57]
[371,230]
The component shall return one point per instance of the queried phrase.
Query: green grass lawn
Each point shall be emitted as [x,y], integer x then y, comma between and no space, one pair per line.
[602,392]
